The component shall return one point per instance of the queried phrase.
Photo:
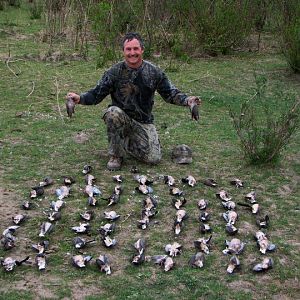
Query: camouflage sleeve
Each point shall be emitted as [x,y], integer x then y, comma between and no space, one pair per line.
[99,92]
[169,92]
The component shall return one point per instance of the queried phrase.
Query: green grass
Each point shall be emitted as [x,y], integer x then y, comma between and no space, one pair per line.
[42,141]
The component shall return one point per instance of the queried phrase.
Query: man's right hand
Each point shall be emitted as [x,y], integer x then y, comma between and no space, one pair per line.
[74,96]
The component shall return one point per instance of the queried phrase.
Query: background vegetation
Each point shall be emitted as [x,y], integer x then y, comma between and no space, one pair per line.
[52,47]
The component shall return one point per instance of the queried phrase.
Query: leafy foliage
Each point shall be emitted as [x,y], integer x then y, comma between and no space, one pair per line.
[265,124]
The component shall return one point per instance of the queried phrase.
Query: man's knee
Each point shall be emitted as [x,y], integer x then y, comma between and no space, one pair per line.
[114,115]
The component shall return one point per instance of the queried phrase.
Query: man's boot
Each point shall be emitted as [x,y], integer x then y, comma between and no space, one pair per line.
[114,163]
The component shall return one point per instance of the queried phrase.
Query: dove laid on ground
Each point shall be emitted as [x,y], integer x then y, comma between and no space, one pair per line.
[234,264]
[263,242]
[205,228]
[57,205]
[179,202]
[46,228]
[263,222]
[223,195]
[169,180]
[79,242]
[27,205]
[111,215]
[18,219]
[203,244]
[104,264]
[197,260]
[118,178]
[89,179]
[40,247]
[41,261]
[46,181]
[36,191]
[173,249]
[210,182]
[107,229]
[9,263]
[230,216]
[190,180]
[108,241]
[62,192]
[87,169]
[87,215]
[8,242]
[266,264]
[237,182]
[204,216]
[80,261]
[202,204]
[235,246]
[82,228]
[176,192]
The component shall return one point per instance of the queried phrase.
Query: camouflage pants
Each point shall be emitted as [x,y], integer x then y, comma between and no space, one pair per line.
[126,135]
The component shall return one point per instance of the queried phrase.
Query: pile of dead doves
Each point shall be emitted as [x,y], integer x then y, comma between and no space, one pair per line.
[233,247]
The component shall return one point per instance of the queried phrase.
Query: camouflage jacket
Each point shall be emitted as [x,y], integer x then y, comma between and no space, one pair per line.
[133,90]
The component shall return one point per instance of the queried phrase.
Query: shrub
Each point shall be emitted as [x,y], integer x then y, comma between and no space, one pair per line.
[35,9]
[265,124]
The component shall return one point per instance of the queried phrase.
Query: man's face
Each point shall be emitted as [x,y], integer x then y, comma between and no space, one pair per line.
[133,53]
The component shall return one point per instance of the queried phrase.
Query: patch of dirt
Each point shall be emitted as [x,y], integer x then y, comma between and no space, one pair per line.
[241,285]
[81,137]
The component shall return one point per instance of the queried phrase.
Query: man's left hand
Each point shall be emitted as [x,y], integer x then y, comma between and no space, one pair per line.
[193,103]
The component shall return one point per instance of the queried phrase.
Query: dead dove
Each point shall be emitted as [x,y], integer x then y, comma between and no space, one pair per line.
[210,182]
[173,249]
[46,181]
[18,219]
[8,242]
[144,189]
[79,242]
[40,247]
[169,180]
[54,216]
[87,169]
[202,244]
[107,229]
[176,192]
[143,180]
[231,229]
[87,215]
[57,205]
[149,213]
[204,216]
[41,261]
[190,180]
[149,203]
[254,206]
[140,245]
[223,195]
[68,180]
[229,205]
[89,179]
[108,241]
[9,263]
[164,261]
[181,215]
[82,228]
[80,261]
[266,264]
[235,246]
[144,222]
[46,228]
[230,216]
[92,190]
[202,204]
[27,205]
[36,192]
[177,226]
[104,264]
[114,198]
[62,192]
[10,230]
[70,106]
[205,228]
[111,215]
[138,259]
[118,178]
[237,182]
[263,222]
[234,264]
[197,260]
[179,202]
[251,197]
[263,242]
[92,201]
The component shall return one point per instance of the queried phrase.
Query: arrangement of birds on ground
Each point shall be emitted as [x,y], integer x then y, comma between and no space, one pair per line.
[179,191]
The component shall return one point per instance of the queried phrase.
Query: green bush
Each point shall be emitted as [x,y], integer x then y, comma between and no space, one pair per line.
[35,9]
[265,124]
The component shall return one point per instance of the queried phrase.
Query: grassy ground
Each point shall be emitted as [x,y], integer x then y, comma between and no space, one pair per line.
[37,139]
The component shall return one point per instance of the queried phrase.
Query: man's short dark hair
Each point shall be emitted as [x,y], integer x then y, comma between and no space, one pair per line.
[130,36]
